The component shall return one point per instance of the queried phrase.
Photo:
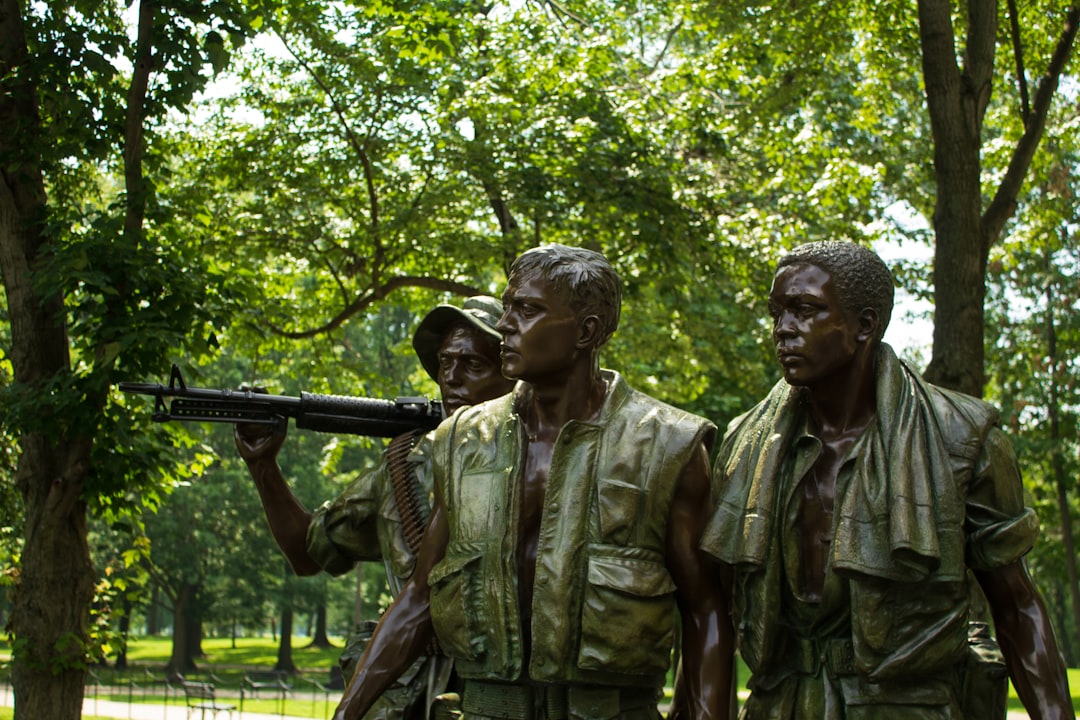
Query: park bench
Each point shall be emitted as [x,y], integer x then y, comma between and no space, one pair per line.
[148,680]
[258,681]
[200,696]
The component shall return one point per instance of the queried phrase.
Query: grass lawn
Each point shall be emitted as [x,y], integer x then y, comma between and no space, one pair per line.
[224,665]
[1074,689]
[248,653]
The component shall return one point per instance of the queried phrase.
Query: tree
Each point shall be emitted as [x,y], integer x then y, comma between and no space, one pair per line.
[393,154]
[287,609]
[389,154]
[1034,344]
[957,98]
[838,80]
[82,284]
[319,628]
[204,536]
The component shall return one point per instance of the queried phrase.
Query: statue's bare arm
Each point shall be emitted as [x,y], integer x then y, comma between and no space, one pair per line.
[707,634]
[286,515]
[1027,641]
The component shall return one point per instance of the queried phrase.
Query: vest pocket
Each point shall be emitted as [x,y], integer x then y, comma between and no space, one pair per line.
[455,593]
[930,697]
[627,614]
[617,504]
[906,630]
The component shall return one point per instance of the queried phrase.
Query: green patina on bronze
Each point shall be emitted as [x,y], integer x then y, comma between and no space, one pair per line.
[603,604]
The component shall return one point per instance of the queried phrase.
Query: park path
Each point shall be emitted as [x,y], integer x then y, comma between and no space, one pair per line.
[146,711]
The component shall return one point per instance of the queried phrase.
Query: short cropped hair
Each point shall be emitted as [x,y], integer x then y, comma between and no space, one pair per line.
[861,278]
[584,278]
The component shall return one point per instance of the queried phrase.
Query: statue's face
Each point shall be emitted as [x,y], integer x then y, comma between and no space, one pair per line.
[815,338]
[539,328]
[469,370]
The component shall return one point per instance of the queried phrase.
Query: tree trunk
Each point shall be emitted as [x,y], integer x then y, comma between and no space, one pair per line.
[1069,541]
[152,620]
[320,639]
[358,601]
[182,659]
[284,658]
[964,233]
[125,632]
[55,583]
[52,598]
[956,101]
[1060,615]
[195,629]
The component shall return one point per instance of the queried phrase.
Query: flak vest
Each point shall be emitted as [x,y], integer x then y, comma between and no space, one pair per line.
[603,603]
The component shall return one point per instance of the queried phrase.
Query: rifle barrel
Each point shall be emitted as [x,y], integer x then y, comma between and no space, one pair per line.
[372,417]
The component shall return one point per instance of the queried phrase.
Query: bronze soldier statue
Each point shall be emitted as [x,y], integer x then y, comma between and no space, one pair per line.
[383,513]
[859,510]
[565,530]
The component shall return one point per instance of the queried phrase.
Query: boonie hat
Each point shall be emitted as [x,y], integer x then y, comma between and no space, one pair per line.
[480,311]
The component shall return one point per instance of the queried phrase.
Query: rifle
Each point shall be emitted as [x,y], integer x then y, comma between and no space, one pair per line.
[323,413]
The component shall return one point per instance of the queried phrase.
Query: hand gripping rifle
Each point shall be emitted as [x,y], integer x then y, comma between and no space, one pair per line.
[322,413]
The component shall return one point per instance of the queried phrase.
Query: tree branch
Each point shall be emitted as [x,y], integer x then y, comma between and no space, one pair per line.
[1003,205]
[134,142]
[1018,53]
[354,142]
[362,302]
[668,39]
[331,267]
[979,55]
[561,13]
[941,74]
[38,341]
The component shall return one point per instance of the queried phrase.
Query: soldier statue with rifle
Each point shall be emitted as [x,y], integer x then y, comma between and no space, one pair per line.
[382,514]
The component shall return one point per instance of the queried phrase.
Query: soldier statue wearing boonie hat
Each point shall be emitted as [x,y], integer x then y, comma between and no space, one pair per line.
[481,312]
[381,515]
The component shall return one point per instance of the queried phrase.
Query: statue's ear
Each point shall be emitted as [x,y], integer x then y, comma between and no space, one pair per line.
[868,325]
[588,331]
